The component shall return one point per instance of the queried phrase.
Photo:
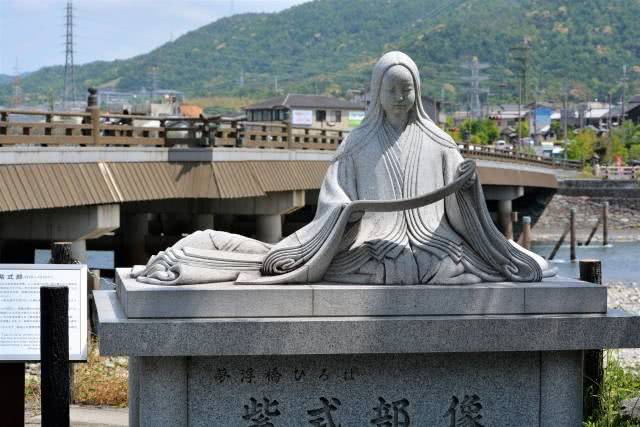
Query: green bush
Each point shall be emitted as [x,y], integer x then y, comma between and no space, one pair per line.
[634,152]
[618,384]
[480,132]
[581,147]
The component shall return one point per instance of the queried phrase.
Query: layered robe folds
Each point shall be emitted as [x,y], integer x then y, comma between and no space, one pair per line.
[451,241]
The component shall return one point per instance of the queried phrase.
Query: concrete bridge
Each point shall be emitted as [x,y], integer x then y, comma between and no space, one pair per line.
[137,184]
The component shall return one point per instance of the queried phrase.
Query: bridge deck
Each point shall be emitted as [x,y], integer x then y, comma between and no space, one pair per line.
[47,177]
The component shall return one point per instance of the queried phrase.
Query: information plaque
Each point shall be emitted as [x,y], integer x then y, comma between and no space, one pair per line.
[20,308]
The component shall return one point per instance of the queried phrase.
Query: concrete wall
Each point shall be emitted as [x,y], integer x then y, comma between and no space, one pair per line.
[599,188]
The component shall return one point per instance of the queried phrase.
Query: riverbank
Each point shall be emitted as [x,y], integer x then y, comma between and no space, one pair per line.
[625,296]
[624,219]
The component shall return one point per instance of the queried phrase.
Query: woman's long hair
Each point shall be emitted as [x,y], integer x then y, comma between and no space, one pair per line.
[375,116]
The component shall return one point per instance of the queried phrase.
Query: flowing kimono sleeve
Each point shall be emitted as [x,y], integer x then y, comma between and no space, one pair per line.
[293,252]
[468,215]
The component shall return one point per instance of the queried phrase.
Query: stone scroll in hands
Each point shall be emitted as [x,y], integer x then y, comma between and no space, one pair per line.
[398,205]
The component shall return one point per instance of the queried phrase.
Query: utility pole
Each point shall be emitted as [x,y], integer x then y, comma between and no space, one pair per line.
[153,73]
[535,115]
[275,84]
[69,87]
[609,122]
[565,117]
[520,113]
[242,77]
[623,81]
[520,54]
[474,85]
[17,88]
[587,109]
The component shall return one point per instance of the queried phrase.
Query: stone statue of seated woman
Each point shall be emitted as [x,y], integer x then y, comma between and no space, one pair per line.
[398,205]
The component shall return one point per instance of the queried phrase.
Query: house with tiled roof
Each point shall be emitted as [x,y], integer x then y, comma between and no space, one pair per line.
[312,111]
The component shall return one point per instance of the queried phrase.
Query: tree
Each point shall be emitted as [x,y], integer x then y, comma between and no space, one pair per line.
[491,130]
[522,129]
[581,147]
[617,148]
[634,152]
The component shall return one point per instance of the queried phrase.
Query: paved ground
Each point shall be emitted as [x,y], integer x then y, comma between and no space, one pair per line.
[90,416]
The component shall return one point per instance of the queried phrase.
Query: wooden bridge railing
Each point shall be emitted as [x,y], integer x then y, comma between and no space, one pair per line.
[91,128]
[19,127]
[619,173]
[490,152]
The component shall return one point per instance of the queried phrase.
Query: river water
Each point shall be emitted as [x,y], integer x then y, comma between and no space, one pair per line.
[620,261]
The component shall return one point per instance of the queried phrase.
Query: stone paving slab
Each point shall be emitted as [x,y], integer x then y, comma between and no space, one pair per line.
[93,416]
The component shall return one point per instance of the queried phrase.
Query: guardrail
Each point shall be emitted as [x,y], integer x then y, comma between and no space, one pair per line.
[619,173]
[91,128]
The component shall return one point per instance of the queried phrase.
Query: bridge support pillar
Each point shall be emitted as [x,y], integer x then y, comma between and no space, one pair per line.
[504,218]
[269,228]
[79,250]
[203,222]
[135,228]
[224,222]
[61,224]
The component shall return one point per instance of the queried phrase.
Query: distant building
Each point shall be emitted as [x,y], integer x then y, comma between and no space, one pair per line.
[508,115]
[314,111]
[540,119]
[191,110]
[431,106]
[632,110]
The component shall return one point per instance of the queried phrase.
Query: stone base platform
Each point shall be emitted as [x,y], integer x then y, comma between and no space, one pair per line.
[494,389]
[232,355]
[557,295]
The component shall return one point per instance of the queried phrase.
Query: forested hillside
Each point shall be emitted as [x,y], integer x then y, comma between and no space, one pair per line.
[330,45]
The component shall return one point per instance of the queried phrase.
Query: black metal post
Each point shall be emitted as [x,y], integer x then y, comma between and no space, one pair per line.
[593,367]
[54,355]
[572,234]
[12,394]
[605,223]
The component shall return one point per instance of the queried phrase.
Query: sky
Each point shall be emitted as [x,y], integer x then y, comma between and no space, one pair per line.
[32,31]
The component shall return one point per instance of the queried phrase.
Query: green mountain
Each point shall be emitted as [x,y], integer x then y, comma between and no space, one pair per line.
[330,46]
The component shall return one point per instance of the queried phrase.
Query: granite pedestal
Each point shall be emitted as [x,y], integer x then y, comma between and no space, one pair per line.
[225,355]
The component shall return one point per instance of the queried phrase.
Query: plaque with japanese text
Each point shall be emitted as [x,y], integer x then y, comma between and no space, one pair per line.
[449,390]
[20,308]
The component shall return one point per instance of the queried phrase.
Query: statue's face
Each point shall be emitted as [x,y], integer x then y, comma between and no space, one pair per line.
[397,94]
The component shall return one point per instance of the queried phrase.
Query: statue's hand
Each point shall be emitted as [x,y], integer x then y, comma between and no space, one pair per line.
[463,168]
